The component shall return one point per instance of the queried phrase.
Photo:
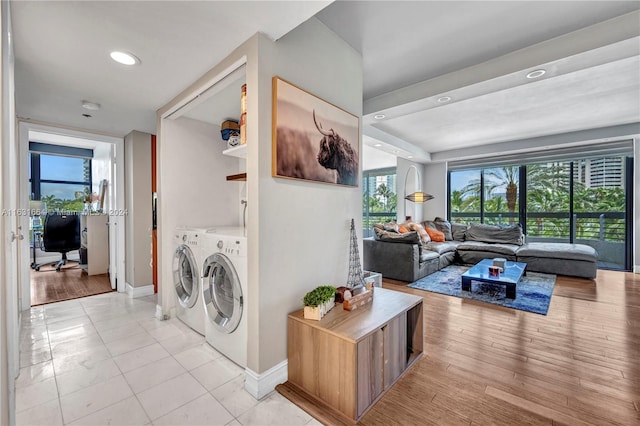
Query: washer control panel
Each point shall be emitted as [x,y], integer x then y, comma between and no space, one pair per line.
[232,246]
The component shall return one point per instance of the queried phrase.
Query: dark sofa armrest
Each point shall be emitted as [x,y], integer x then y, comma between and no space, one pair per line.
[398,261]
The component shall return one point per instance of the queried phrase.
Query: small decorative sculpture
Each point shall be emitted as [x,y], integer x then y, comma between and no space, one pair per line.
[356,278]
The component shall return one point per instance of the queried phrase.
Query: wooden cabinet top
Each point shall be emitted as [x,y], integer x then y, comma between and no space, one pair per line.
[355,325]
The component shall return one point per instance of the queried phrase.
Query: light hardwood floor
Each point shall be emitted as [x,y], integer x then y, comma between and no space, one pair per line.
[483,364]
[49,286]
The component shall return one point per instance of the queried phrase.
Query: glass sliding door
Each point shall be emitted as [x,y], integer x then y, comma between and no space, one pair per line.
[465,196]
[379,198]
[599,206]
[500,206]
[548,215]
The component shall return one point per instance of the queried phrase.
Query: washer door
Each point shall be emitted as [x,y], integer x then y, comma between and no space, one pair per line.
[222,293]
[185,276]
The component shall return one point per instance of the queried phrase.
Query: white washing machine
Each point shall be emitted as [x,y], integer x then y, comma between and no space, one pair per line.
[187,261]
[224,286]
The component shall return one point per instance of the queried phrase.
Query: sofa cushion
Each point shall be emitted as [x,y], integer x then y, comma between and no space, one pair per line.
[511,234]
[428,255]
[395,237]
[444,226]
[459,231]
[440,248]
[435,235]
[559,251]
[506,249]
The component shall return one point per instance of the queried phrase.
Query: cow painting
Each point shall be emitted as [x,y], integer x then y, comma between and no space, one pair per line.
[337,154]
[313,140]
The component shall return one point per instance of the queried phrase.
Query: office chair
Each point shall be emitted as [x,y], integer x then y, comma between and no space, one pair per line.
[61,233]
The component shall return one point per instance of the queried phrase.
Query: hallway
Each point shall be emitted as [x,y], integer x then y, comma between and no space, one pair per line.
[105,359]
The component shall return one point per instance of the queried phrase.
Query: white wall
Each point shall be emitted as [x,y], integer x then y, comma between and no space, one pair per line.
[138,203]
[8,263]
[636,205]
[435,183]
[192,188]
[408,208]
[298,231]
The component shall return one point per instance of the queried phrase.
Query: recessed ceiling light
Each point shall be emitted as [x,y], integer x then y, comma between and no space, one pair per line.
[378,145]
[92,106]
[444,99]
[379,116]
[124,58]
[536,73]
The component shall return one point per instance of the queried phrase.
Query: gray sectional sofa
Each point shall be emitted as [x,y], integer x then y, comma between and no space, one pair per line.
[406,257]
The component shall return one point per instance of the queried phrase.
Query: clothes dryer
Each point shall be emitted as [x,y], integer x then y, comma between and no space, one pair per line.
[187,261]
[224,286]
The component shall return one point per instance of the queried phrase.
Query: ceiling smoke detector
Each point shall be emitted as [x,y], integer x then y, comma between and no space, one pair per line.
[379,116]
[124,58]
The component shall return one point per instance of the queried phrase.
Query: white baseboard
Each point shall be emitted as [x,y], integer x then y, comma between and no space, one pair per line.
[145,290]
[160,315]
[636,269]
[260,385]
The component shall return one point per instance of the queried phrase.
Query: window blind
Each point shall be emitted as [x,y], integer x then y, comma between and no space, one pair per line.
[69,151]
[622,148]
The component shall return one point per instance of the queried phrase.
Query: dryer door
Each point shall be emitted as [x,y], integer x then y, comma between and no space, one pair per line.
[185,276]
[222,293]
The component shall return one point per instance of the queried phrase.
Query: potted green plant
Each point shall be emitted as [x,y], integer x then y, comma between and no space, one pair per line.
[318,302]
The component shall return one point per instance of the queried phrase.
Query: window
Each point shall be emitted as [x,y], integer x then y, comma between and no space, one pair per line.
[379,198]
[60,176]
[584,201]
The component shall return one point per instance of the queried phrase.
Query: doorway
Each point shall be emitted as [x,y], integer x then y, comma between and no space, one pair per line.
[71,173]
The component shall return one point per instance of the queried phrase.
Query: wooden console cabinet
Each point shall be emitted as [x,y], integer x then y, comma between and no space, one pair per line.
[349,359]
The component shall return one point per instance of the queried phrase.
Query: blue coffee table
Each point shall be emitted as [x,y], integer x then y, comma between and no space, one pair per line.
[513,272]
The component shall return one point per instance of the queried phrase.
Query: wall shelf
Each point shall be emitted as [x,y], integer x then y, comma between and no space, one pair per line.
[239,151]
[238,177]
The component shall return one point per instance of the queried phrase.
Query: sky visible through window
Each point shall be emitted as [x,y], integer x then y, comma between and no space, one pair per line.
[55,167]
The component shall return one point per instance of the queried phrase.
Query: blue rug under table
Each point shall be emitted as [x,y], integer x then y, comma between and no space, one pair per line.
[533,292]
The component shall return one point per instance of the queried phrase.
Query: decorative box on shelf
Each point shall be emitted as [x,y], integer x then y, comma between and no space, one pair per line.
[358,300]
[373,277]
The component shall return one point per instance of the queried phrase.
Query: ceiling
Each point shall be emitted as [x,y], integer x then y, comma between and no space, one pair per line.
[62,54]
[476,52]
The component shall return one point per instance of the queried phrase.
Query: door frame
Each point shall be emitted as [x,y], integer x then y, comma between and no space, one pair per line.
[116,221]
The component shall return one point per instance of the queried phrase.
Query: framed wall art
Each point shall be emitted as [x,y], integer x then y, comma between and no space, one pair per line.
[312,138]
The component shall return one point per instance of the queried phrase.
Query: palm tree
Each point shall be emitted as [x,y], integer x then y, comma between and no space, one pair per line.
[384,193]
[505,177]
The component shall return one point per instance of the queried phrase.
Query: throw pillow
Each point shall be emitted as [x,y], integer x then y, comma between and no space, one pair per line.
[403,229]
[444,226]
[394,237]
[419,229]
[459,231]
[429,224]
[436,236]
[389,226]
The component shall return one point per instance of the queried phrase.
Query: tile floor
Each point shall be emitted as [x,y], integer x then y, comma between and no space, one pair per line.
[105,359]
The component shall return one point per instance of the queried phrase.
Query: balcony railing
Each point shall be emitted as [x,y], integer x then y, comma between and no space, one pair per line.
[371,218]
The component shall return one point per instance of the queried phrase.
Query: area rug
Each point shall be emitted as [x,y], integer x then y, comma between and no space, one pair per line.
[533,292]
